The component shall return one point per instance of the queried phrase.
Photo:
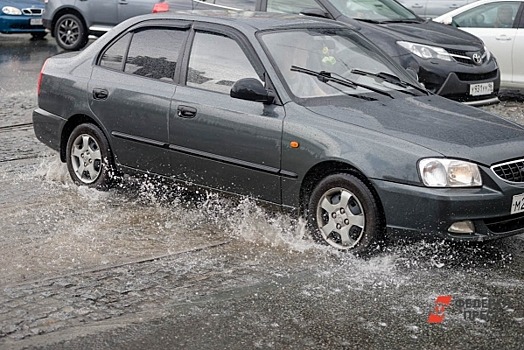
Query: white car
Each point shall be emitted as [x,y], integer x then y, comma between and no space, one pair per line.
[500,24]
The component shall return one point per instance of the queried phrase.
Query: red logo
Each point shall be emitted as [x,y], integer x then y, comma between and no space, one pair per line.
[437,315]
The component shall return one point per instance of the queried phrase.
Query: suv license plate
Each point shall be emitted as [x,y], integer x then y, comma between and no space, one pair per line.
[517,206]
[481,89]
[36,21]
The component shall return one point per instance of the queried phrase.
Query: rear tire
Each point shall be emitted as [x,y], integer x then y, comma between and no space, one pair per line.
[70,32]
[89,158]
[344,213]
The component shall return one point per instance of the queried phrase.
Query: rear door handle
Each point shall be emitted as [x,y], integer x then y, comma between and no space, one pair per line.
[503,38]
[186,112]
[100,94]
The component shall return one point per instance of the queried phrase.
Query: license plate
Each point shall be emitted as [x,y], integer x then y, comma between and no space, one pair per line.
[36,21]
[481,89]
[518,204]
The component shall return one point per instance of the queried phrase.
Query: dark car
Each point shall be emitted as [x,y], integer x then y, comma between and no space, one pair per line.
[299,112]
[449,62]
[22,17]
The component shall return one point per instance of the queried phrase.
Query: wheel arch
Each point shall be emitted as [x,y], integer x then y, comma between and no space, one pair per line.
[68,128]
[331,167]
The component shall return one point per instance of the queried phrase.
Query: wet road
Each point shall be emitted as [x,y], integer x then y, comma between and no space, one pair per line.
[139,268]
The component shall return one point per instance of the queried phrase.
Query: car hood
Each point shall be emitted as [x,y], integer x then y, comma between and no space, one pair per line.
[426,32]
[443,126]
[23,3]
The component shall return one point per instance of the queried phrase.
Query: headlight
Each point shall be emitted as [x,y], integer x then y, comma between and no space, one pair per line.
[425,51]
[441,172]
[9,10]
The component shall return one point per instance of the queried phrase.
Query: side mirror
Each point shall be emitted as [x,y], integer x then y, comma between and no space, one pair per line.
[251,89]
[315,13]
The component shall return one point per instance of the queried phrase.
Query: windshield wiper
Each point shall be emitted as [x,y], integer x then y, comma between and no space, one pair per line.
[367,20]
[327,77]
[390,78]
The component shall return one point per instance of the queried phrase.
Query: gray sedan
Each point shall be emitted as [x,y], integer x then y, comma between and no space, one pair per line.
[302,113]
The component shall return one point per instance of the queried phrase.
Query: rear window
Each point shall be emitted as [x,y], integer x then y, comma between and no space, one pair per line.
[150,52]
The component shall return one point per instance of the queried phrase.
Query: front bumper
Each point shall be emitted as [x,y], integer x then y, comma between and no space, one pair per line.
[19,24]
[453,80]
[419,211]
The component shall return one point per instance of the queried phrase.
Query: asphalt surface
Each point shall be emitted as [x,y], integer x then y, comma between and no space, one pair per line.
[147,265]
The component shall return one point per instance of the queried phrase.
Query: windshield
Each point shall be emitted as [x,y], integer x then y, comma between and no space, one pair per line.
[340,52]
[374,10]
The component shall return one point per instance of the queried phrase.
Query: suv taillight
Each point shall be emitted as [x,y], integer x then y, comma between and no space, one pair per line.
[161,7]
[39,82]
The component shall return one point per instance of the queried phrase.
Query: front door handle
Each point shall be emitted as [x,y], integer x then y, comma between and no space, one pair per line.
[503,38]
[100,94]
[186,112]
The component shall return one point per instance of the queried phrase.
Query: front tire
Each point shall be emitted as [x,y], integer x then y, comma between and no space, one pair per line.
[344,213]
[70,32]
[89,157]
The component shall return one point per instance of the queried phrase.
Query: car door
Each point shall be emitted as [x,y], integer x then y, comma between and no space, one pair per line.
[288,6]
[131,89]
[416,6]
[495,24]
[131,8]
[100,12]
[218,141]
[518,52]
[436,8]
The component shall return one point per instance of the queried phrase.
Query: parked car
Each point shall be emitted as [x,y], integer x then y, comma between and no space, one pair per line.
[303,113]
[500,24]
[71,21]
[22,17]
[441,56]
[433,8]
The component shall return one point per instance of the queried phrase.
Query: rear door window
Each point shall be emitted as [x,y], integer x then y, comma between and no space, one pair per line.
[113,57]
[154,52]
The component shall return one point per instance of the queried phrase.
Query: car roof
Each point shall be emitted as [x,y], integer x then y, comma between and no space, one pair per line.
[248,20]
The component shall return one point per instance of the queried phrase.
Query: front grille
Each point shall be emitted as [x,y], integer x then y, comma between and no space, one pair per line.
[460,56]
[510,171]
[32,12]
[476,77]
[505,224]
[466,57]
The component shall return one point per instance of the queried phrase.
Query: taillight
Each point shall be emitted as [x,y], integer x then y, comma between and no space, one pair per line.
[39,82]
[161,7]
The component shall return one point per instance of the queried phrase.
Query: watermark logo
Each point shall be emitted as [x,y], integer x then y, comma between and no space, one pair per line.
[472,309]
[438,312]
